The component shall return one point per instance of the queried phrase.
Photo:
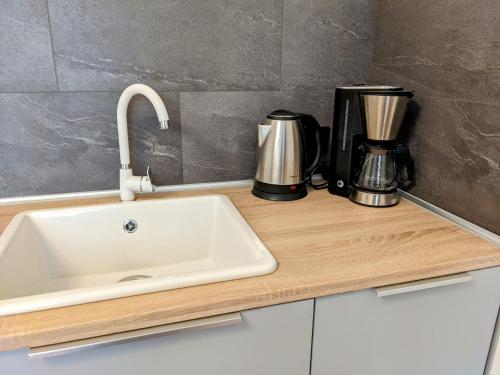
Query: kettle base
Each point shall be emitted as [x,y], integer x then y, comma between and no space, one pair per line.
[272,192]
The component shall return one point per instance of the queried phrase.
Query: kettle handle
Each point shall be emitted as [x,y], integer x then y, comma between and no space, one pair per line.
[310,122]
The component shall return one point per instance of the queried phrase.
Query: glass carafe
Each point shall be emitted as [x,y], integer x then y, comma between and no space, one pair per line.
[377,170]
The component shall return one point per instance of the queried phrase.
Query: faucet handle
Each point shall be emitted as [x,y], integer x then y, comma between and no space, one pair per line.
[149,173]
[146,184]
[141,184]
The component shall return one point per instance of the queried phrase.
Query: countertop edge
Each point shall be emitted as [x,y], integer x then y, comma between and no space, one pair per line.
[151,318]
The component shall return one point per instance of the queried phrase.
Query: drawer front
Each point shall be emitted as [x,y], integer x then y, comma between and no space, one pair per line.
[439,330]
[272,340]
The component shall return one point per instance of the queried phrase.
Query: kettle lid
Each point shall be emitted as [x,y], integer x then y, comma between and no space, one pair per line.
[283,114]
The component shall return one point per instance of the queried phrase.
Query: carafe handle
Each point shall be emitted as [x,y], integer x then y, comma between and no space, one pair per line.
[404,162]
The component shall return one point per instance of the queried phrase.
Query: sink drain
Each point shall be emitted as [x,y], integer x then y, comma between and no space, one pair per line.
[134,277]
[130,225]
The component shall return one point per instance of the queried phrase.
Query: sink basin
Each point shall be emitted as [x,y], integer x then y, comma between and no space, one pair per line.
[61,257]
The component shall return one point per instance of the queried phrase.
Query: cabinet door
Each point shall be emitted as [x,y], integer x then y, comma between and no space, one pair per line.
[445,330]
[273,340]
[493,364]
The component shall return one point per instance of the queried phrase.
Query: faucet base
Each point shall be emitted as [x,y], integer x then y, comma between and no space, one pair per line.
[130,184]
[125,193]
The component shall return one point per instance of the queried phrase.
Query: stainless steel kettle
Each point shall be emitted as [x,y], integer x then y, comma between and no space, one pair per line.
[289,152]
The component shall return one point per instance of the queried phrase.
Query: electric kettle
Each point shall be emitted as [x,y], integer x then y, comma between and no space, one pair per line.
[289,152]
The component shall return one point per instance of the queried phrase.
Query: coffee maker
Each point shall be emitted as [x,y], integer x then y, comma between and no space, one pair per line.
[366,165]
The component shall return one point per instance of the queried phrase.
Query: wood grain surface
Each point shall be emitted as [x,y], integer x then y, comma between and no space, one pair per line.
[324,244]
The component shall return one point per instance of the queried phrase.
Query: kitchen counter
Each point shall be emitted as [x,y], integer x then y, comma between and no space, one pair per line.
[324,245]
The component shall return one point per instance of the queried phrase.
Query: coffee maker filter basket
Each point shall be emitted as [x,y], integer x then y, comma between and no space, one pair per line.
[383,113]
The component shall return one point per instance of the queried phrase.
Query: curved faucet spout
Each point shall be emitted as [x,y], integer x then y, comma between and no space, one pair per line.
[121,115]
[129,184]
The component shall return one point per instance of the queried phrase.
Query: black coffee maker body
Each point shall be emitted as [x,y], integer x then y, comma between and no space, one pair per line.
[366,164]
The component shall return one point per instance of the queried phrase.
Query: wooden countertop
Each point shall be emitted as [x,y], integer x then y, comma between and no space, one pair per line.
[324,244]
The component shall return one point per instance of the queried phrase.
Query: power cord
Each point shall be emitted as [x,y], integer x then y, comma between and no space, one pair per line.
[320,186]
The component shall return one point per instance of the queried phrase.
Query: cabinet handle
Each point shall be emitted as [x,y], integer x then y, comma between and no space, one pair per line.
[135,335]
[413,286]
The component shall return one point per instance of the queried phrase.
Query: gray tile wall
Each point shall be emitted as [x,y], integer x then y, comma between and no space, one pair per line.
[448,51]
[219,65]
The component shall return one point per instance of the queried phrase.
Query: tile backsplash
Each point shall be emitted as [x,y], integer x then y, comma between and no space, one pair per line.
[219,135]
[220,67]
[448,52]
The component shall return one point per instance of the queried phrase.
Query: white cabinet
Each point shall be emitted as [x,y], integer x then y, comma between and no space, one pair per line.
[269,341]
[444,330]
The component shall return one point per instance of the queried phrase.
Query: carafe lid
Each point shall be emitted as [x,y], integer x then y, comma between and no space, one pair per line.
[283,114]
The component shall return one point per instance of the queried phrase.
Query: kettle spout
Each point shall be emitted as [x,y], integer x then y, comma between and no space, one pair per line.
[263,132]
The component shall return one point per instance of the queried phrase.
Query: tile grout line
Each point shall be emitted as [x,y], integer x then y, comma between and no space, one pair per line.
[165,91]
[52,45]
[281,46]
[179,93]
[173,91]
[328,90]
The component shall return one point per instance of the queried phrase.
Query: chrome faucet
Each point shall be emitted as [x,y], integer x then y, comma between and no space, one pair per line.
[130,184]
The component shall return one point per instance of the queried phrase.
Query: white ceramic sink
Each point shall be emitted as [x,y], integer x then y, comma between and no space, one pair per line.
[61,257]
